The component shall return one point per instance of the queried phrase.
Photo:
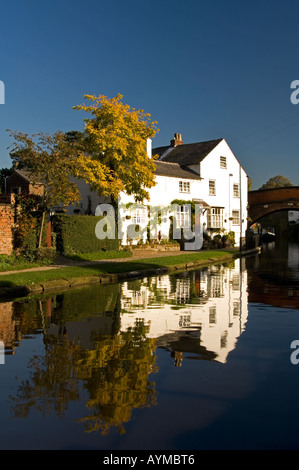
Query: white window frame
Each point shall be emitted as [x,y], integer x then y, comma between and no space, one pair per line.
[212,187]
[215,217]
[236,190]
[183,216]
[184,186]
[138,215]
[223,162]
[236,217]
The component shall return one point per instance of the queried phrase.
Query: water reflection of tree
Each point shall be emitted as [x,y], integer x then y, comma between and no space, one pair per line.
[119,383]
[115,374]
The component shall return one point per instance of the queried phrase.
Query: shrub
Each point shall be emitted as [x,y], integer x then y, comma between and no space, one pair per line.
[27,233]
[7,261]
[228,239]
[76,234]
[45,255]
[217,242]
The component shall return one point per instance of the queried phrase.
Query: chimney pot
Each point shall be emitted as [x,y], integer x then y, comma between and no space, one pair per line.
[177,140]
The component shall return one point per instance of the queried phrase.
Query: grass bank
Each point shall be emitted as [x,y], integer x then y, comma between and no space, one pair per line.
[17,263]
[21,284]
[112,254]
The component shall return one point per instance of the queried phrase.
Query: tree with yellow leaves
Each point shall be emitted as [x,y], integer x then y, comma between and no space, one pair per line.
[115,157]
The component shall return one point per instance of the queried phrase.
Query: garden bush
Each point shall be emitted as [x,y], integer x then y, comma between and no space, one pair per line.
[76,234]
[45,254]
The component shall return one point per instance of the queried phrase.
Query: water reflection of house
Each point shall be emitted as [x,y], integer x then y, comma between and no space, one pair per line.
[201,312]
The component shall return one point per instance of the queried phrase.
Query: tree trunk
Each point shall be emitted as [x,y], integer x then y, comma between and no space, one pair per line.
[41,229]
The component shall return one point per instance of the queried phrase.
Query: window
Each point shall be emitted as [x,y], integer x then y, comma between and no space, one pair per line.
[223,162]
[216,287]
[185,320]
[236,191]
[212,315]
[182,291]
[184,186]
[212,187]
[223,340]
[236,309]
[236,217]
[183,217]
[16,190]
[236,282]
[215,217]
[138,215]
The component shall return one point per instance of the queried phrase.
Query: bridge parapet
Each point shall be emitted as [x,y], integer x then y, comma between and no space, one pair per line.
[266,201]
[262,196]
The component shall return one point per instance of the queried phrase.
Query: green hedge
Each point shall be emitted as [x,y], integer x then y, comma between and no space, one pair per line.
[76,234]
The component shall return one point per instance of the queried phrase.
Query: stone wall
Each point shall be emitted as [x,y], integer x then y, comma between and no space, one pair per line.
[6,224]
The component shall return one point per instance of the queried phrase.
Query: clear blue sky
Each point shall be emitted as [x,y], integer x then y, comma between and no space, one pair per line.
[205,69]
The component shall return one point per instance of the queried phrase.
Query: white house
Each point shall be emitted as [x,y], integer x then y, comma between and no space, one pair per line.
[205,173]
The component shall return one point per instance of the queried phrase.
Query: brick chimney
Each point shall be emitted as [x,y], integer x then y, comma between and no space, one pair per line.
[177,140]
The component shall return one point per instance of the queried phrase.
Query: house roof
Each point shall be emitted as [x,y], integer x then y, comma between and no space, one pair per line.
[202,202]
[174,170]
[26,175]
[186,154]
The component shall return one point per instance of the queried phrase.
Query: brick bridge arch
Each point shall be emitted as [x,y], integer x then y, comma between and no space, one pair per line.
[265,201]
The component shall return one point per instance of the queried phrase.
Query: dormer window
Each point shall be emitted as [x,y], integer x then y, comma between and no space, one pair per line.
[184,187]
[223,162]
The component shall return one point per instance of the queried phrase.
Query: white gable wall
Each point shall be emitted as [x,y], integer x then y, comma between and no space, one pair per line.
[225,179]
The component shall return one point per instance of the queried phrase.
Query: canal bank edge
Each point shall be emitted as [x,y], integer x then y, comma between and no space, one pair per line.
[63,285]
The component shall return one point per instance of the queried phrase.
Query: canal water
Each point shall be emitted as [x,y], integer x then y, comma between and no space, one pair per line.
[203,359]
